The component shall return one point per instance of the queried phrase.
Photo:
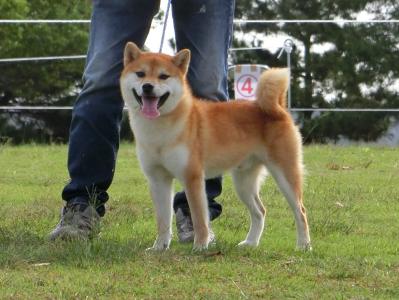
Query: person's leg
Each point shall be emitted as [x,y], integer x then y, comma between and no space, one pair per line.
[213,189]
[96,117]
[205,27]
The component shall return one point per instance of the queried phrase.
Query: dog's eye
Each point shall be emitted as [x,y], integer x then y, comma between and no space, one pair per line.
[140,74]
[163,76]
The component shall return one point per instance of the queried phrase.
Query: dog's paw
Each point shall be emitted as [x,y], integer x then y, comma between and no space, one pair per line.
[247,244]
[156,249]
[159,245]
[305,247]
[200,247]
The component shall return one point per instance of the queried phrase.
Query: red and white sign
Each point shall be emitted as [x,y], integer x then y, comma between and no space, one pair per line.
[246,86]
[246,81]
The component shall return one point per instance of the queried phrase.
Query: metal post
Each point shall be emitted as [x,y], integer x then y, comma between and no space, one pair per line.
[287,47]
[288,44]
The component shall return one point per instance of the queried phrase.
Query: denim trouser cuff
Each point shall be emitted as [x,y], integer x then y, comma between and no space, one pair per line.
[83,203]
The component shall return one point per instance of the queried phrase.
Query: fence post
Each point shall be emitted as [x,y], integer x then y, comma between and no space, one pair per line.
[287,47]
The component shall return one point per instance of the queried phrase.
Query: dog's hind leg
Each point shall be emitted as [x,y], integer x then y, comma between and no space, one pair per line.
[288,175]
[247,179]
[161,187]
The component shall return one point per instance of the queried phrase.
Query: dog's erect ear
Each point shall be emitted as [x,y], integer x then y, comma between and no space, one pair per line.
[132,52]
[182,60]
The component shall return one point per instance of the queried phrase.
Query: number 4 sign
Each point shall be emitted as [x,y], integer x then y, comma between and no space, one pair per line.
[246,80]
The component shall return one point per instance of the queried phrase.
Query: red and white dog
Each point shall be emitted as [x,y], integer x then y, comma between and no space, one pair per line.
[179,136]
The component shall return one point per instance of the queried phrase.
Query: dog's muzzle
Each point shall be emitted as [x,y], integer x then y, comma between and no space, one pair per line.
[161,101]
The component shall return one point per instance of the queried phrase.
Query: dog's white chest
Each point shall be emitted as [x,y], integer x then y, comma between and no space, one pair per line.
[175,160]
[172,158]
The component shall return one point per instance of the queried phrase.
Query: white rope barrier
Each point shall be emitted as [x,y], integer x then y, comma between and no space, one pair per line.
[236,21]
[346,109]
[247,48]
[41,58]
[42,108]
[68,57]
[20,108]
[45,21]
[338,21]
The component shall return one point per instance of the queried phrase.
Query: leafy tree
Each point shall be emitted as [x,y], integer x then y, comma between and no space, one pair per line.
[357,68]
[40,83]
[45,82]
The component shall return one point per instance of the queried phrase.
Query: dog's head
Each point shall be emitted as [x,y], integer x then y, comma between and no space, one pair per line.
[153,83]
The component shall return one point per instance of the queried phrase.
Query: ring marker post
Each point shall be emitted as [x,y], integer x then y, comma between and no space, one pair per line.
[287,47]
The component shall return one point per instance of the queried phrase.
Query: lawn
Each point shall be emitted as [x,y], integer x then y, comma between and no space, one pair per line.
[352,198]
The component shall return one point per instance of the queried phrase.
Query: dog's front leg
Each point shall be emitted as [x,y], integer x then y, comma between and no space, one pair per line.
[196,196]
[161,186]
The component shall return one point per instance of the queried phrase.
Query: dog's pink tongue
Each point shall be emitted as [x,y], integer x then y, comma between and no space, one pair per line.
[150,107]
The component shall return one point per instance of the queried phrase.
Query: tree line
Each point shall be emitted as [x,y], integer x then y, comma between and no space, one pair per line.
[357,66]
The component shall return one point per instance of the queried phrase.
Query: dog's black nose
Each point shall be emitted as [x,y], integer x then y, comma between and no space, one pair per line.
[147,88]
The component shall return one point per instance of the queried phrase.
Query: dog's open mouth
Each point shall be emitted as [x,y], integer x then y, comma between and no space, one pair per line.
[150,104]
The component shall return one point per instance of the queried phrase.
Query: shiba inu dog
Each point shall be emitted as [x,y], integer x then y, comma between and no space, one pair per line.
[180,136]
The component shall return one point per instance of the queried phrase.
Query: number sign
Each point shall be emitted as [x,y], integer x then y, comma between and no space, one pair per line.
[246,80]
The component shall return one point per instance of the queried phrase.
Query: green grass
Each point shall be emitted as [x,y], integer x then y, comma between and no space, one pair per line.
[352,198]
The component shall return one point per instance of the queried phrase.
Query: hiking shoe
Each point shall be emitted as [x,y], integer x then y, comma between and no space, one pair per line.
[78,222]
[185,228]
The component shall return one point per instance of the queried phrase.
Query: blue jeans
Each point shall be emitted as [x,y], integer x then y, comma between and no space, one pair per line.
[203,26]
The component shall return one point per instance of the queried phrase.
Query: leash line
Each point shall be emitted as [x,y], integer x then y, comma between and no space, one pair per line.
[165,23]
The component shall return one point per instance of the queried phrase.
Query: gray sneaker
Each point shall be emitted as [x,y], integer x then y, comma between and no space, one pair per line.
[185,229]
[77,223]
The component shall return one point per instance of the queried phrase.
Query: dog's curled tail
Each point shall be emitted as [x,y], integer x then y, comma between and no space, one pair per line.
[272,89]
